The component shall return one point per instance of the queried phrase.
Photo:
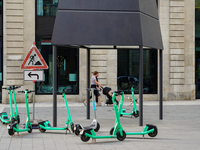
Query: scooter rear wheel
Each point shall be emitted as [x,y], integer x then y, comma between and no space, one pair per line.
[41,130]
[11,132]
[77,131]
[84,138]
[97,128]
[119,137]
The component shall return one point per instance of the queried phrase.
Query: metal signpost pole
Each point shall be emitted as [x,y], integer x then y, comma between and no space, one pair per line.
[33,99]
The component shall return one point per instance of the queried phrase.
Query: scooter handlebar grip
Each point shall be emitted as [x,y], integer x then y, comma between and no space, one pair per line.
[21,92]
[32,91]
[57,92]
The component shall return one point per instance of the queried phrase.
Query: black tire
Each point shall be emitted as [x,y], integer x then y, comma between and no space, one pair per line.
[136,115]
[155,132]
[13,120]
[124,111]
[11,132]
[18,120]
[41,130]
[97,128]
[77,131]
[121,115]
[84,138]
[72,127]
[119,137]
[111,131]
[30,129]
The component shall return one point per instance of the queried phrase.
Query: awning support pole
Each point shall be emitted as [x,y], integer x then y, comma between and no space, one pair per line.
[54,85]
[161,86]
[141,87]
[88,83]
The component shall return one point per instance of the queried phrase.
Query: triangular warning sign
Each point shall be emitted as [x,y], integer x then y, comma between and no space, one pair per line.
[34,60]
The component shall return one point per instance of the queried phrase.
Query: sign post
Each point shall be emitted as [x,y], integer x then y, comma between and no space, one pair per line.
[34,60]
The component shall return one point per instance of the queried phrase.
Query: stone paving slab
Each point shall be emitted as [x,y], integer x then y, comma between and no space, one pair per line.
[180,128]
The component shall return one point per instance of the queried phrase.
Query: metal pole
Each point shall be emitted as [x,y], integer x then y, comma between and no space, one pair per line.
[161,86]
[54,85]
[88,83]
[34,100]
[141,87]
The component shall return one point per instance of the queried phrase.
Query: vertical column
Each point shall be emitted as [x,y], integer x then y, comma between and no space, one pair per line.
[161,86]
[141,87]
[54,85]
[88,83]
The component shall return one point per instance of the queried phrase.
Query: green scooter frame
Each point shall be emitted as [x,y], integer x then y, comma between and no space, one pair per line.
[3,115]
[149,129]
[13,127]
[45,125]
[134,112]
[117,131]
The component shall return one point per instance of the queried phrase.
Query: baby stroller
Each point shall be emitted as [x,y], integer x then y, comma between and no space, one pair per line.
[106,91]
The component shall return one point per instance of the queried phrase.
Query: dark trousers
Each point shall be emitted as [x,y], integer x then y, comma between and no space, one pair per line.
[96,93]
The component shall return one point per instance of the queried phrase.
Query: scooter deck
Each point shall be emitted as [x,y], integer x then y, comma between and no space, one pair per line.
[51,128]
[4,117]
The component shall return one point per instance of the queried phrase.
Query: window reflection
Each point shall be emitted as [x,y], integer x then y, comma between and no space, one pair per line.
[128,71]
[47,7]
[67,68]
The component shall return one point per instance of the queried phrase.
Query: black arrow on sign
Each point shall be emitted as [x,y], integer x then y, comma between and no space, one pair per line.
[30,75]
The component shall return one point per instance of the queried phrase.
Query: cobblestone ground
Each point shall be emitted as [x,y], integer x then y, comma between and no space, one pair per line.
[179,129]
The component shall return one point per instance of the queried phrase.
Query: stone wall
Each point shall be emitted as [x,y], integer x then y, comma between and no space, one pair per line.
[177,24]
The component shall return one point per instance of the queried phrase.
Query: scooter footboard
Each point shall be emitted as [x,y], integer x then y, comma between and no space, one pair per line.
[45,123]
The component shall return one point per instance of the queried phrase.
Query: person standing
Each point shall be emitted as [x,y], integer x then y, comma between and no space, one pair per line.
[95,84]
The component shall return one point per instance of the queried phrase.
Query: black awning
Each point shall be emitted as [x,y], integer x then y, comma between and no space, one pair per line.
[107,22]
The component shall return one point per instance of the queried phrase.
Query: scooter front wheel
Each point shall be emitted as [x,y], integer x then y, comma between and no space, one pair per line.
[111,131]
[41,130]
[97,128]
[18,120]
[119,137]
[154,133]
[72,127]
[30,131]
[84,138]
[136,115]
[11,132]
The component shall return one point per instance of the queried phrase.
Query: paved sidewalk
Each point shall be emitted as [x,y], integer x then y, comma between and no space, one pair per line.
[179,130]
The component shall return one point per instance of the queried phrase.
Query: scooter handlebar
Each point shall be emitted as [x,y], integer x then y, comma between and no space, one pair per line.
[15,87]
[21,92]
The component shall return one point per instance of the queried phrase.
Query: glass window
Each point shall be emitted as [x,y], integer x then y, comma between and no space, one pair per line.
[67,68]
[128,71]
[47,7]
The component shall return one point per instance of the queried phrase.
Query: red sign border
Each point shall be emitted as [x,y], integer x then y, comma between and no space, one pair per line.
[39,55]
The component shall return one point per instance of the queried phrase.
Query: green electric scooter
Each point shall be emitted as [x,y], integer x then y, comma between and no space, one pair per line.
[149,129]
[13,117]
[14,127]
[45,125]
[117,131]
[94,125]
[134,112]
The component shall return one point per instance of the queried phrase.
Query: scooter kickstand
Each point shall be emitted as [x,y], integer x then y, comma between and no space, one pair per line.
[93,140]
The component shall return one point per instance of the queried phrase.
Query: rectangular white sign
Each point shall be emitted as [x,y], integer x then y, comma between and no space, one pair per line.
[30,75]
